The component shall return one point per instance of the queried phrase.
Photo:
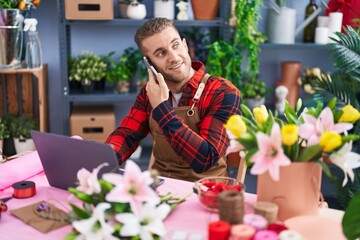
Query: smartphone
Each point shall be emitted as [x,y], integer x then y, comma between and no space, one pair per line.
[149,66]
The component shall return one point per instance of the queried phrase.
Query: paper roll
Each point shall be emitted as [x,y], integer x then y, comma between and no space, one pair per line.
[321,35]
[323,21]
[335,23]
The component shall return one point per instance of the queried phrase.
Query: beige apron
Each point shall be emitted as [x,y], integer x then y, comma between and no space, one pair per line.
[167,162]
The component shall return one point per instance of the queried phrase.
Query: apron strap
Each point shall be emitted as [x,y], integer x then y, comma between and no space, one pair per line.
[198,93]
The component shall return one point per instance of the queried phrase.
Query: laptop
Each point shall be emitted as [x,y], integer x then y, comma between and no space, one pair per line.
[63,156]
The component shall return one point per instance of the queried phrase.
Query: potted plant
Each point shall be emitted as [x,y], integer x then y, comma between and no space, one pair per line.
[122,71]
[226,58]
[4,133]
[87,68]
[20,128]
[253,90]
[344,84]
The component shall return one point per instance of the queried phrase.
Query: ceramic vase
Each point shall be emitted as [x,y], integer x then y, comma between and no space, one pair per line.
[136,11]
[296,193]
[23,145]
[164,8]
[205,9]
[254,102]
[290,74]
[87,86]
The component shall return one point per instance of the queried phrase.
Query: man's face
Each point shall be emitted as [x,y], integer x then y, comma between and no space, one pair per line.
[169,55]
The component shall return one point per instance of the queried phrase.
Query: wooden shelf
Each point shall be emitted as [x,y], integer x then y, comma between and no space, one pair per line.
[21,95]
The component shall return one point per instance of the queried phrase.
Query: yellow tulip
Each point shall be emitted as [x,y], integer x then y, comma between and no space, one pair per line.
[330,140]
[236,125]
[350,114]
[261,114]
[289,134]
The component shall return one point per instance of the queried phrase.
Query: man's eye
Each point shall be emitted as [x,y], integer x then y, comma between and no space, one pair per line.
[176,45]
[160,54]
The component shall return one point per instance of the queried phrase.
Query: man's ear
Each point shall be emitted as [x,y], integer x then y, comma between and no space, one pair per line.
[185,44]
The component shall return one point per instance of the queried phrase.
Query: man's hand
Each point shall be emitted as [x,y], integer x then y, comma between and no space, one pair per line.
[157,92]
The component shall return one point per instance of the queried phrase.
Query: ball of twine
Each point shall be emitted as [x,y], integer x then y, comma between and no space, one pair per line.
[231,206]
[268,210]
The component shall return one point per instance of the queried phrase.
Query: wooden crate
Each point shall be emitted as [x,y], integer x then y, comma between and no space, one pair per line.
[89,9]
[19,95]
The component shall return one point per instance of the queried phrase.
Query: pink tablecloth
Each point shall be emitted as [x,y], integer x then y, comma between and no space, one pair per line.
[189,217]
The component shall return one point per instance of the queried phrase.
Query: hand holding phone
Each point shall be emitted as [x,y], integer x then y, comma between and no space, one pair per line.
[149,66]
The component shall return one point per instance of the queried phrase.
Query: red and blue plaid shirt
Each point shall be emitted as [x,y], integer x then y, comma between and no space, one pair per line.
[219,100]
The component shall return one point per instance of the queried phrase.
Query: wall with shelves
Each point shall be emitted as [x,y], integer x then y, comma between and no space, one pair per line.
[83,35]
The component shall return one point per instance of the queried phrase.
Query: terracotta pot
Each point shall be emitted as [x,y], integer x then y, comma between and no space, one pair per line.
[205,9]
[296,193]
[290,73]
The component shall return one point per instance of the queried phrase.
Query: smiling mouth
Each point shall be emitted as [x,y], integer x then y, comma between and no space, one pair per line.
[176,66]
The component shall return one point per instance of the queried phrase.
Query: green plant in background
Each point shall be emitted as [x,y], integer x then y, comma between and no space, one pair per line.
[344,84]
[226,59]
[198,40]
[4,131]
[125,67]
[21,126]
[253,86]
[20,4]
[87,67]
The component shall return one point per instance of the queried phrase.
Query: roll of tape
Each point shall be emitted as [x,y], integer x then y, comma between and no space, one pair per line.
[24,189]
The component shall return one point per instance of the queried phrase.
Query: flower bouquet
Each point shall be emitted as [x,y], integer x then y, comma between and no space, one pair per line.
[20,4]
[119,206]
[273,145]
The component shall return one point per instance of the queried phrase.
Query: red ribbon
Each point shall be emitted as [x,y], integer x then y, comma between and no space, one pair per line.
[24,189]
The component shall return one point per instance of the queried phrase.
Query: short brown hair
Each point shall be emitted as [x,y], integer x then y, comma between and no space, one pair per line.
[150,27]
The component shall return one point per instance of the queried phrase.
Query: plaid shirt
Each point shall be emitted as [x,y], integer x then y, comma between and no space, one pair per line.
[219,100]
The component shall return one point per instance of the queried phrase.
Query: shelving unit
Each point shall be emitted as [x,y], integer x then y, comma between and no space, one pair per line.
[108,97]
[24,92]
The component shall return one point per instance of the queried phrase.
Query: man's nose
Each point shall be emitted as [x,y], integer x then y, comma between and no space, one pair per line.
[172,56]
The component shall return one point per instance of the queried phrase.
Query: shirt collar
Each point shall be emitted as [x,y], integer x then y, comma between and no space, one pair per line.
[199,74]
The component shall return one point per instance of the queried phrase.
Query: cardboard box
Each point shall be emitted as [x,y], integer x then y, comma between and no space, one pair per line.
[89,9]
[92,123]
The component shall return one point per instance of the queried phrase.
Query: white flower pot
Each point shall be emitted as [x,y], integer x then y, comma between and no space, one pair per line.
[136,11]
[254,102]
[164,8]
[24,145]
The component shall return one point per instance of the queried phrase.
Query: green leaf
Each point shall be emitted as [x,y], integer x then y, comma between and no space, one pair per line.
[246,111]
[325,168]
[310,153]
[351,219]
[80,212]
[332,104]
[71,236]
[81,195]
[105,186]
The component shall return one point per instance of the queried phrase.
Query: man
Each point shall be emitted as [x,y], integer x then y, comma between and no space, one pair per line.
[185,122]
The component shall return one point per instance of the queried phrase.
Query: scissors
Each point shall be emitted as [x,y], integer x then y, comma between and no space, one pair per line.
[3,206]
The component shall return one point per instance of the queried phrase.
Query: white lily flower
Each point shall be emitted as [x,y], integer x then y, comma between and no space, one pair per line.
[95,227]
[88,182]
[148,221]
[133,187]
[346,160]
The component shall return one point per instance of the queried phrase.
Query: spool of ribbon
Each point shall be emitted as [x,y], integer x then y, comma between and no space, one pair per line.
[265,235]
[290,235]
[24,189]
[231,206]
[242,232]
[268,210]
[219,230]
[257,221]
